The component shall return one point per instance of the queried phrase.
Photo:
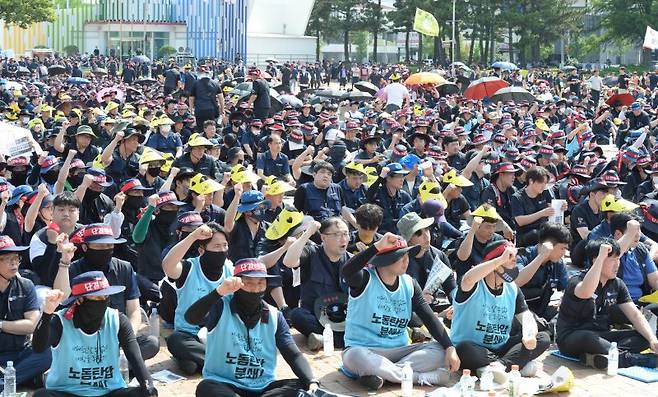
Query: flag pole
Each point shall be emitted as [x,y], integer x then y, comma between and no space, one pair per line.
[454,4]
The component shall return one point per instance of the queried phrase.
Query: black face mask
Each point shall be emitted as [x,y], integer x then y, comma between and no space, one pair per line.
[18,178]
[133,203]
[237,123]
[153,171]
[89,315]
[76,180]
[166,217]
[212,263]
[98,259]
[91,195]
[248,303]
[50,177]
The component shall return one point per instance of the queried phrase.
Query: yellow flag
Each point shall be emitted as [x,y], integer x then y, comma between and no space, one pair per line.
[425,23]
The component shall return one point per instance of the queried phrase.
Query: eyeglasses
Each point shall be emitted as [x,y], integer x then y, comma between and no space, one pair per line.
[338,234]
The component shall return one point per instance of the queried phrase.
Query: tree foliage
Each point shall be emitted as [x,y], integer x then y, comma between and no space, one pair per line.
[26,12]
[625,21]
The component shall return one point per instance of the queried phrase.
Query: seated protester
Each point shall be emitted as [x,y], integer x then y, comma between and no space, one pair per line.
[475,172]
[203,193]
[181,184]
[456,159]
[430,266]
[163,139]
[499,193]
[585,216]
[649,188]
[96,206]
[375,348]
[134,200]
[153,232]
[39,213]
[390,197]
[98,247]
[542,269]
[150,165]
[319,266]
[485,306]
[13,214]
[43,245]
[470,248]
[244,223]
[20,315]
[272,161]
[87,335]
[584,324]
[352,188]
[368,155]
[18,168]
[429,189]
[321,198]
[120,157]
[196,157]
[636,268]
[531,206]
[235,309]
[368,218]
[274,193]
[195,277]
[458,208]
[47,172]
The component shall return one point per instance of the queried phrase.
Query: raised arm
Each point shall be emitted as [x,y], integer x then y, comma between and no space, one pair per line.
[291,259]
[585,289]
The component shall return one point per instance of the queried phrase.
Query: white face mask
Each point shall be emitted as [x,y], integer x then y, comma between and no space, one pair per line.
[486,168]
[655,180]
[25,120]
[165,128]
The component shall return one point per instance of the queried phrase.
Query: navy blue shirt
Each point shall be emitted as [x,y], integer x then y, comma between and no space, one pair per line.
[553,272]
[168,144]
[278,167]
[353,198]
[19,298]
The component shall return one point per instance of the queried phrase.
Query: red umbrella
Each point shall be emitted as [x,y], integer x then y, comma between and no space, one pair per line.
[484,87]
[265,75]
[624,99]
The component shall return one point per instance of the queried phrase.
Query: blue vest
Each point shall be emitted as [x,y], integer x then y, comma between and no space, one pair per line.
[196,287]
[353,198]
[87,365]
[319,206]
[379,317]
[484,318]
[242,357]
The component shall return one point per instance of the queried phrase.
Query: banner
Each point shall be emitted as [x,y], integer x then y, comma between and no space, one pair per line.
[425,23]
[17,141]
[650,39]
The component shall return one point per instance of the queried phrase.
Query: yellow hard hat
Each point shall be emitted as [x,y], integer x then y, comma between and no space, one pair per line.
[541,124]
[278,187]
[486,211]
[97,163]
[353,166]
[456,179]
[371,175]
[34,122]
[562,380]
[284,222]
[169,160]
[430,190]
[149,155]
[199,186]
[199,141]
[244,177]
[612,204]
[111,106]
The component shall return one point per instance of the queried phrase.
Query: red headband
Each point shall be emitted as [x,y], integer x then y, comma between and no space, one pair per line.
[131,185]
[498,251]
[249,266]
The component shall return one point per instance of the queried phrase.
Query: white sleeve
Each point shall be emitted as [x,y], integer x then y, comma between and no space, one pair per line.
[114,220]
[37,247]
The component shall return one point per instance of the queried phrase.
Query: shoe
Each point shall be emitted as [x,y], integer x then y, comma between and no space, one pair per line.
[640,360]
[433,378]
[188,367]
[314,342]
[596,361]
[372,382]
[498,370]
[531,369]
[285,310]
[418,335]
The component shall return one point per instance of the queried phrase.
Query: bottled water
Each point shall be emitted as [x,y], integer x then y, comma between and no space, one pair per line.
[514,382]
[10,380]
[613,359]
[154,323]
[487,379]
[466,384]
[328,340]
[123,367]
[407,380]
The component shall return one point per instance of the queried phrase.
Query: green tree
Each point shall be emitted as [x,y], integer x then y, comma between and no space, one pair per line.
[374,21]
[318,23]
[166,51]
[625,21]
[26,12]
[346,16]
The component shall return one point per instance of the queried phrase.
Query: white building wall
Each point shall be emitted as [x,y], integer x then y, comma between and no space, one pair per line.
[282,48]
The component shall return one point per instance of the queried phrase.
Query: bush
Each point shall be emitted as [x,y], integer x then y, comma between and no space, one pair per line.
[166,51]
[71,50]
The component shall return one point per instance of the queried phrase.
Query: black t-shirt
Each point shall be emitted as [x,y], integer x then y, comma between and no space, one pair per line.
[456,209]
[574,84]
[589,314]
[501,201]
[622,81]
[205,93]
[262,92]
[476,257]
[457,161]
[524,205]
[583,216]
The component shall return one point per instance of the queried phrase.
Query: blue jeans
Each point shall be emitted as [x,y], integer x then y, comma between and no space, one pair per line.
[28,364]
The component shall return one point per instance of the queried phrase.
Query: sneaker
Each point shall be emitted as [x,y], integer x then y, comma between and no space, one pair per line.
[188,367]
[371,382]
[433,378]
[596,361]
[641,360]
[531,369]
[498,370]
[314,342]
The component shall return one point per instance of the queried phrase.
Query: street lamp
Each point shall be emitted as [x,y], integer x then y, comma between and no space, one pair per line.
[452,43]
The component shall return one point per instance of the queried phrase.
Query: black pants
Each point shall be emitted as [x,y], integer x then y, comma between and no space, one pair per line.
[596,95]
[203,115]
[279,388]
[149,346]
[184,346]
[168,302]
[261,113]
[306,323]
[127,392]
[512,353]
[148,289]
[579,343]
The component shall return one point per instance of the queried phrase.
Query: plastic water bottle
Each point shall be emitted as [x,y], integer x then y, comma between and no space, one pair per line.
[10,380]
[487,379]
[514,386]
[466,384]
[154,323]
[407,380]
[123,367]
[613,359]
[328,340]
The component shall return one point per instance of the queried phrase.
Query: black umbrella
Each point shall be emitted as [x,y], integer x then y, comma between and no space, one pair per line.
[303,94]
[22,70]
[516,94]
[56,69]
[448,88]
[366,86]
[146,81]
[99,71]
[329,93]
[356,96]
[465,82]
[610,81]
